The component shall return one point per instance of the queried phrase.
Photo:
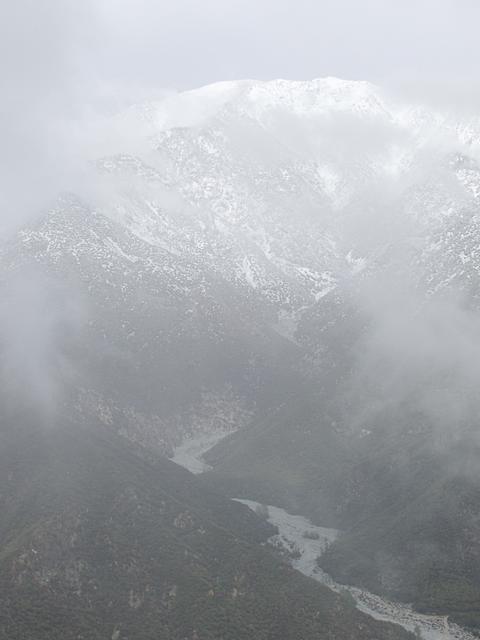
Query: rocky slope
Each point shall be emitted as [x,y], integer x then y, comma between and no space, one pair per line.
[296,262]
[96,542]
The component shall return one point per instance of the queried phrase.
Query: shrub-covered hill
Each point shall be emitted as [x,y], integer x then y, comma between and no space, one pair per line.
[96,542]
[409,512]
[418,538]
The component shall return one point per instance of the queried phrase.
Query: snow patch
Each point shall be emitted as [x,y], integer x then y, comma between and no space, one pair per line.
[249,273]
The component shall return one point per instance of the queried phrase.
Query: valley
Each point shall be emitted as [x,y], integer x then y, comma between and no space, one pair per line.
[305,542]
[276,285]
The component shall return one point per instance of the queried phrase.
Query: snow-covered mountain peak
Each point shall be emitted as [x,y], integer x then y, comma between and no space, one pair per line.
[316,97]
[350,103]
[280,188]
[195,107]
[256,97]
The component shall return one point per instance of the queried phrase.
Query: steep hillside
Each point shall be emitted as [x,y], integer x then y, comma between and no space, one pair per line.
[296,265]
[98,543]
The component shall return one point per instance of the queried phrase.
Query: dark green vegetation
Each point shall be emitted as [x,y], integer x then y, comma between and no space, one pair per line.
[411,515]
[97,542]
[415,532]
[406,494]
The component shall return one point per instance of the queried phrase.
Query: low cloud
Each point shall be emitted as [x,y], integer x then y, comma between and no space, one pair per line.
[40,326]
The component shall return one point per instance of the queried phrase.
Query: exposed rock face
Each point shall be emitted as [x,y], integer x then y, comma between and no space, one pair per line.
[226,275]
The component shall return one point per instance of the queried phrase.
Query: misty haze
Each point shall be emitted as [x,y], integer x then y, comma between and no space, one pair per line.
[239,320]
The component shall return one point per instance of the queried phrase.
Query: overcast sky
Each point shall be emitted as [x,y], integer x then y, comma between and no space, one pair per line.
[186,43]
[63,60]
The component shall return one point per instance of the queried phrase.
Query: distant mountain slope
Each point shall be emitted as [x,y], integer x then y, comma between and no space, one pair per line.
[294,261]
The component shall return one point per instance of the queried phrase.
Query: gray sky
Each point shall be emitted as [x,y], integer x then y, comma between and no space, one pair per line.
[185,43]
[62,62]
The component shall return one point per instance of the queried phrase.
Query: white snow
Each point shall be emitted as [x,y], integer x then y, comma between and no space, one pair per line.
[113,245]
[357,264]
[249,273]
[193,108]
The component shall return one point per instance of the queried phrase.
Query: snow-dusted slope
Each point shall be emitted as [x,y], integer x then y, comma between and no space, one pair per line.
[225,252]
[278,185]
[222,215]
